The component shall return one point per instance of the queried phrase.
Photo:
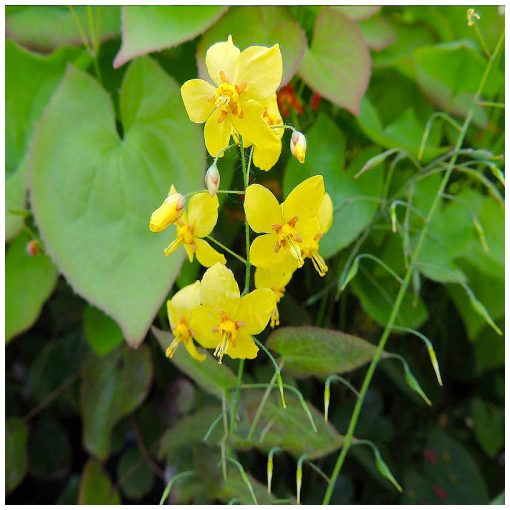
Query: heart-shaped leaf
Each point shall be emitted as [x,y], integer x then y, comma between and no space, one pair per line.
[337,65]
[316,351]
[147,28]
[93,191]
[112,387]
[260,25]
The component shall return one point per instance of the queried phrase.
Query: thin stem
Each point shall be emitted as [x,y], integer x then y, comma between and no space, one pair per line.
[236,395]
[171,483]
[232,192]
[228,250]
[407,278]
[261,407]
[491,103]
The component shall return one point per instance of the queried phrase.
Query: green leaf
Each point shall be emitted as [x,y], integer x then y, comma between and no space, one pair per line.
[258,25]
[354,200]
[29,281]
[49,450]
[337,64]
[69,496]
[95,220]
[358,12]
[48,27]
[378,32]
[147,28]
[135,478]
[316,351]
[112,387]
[102,333]
[96,487]
[451,73]
[208,374]
[15,200]
[289,428]
[489,428]
[16,434]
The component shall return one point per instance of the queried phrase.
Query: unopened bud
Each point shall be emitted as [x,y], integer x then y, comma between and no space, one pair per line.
[169,212]
[212,179]
[298,146]
[472,16]
[33,248]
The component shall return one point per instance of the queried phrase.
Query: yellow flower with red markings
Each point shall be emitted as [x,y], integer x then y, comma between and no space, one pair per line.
[180,309]
[282,225]
[225,320]
[276,281]
[312,237]
[168,212]
[193,225]
[242,81]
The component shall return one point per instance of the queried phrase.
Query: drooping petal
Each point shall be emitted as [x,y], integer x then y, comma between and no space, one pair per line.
[266,158]
[325,213]
[255,310]
[195,95]
[305,199]
[191,348]
[183,302]
[222,57]
[219,290]
[271,279]
[245,347]
[252,126]
[190,252]
[261,69]
[207,255]
[262,209]
[263,254]
[203,213]
[203,324]
[216,134]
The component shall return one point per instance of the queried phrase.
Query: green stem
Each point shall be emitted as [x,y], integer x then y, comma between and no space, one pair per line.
[236,395]
[176,478]
[405,283]
[228,250]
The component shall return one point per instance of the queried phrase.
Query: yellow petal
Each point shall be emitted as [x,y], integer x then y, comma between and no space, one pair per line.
[219,290]
[168,212]
[245,347]
[202,323]
[192,350]
[189,252]
[273,116]
[325,213]
[262,254]
[261,69]
[252,126]
[255,310]
[305,199]
[266,158]
[183,302]
[216,134]
[195,95]
[203,213]
[220,57]
[270,279]
[207,255]
[262,209]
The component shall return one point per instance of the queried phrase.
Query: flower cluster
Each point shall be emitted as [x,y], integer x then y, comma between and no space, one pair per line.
[241,104]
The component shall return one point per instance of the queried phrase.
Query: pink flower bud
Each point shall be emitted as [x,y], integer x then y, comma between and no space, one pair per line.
[212,179]
[33,248]
[298,146]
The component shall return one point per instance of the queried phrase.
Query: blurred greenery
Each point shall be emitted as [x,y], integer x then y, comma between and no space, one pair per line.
[96,132]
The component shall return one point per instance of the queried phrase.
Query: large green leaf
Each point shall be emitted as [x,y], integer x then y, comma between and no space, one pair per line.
[29,281]
[112,387]
[16,434]
[378,32]
[147,28]
[289,428]
[51,26]
[208,374]
[102,333]
[337,64]
[96,487]
[135,478]
[316,351]
[256,25]
[93,191]
[358,12]
[354,200]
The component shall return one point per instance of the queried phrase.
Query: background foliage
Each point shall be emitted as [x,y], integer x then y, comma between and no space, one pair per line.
[95,133]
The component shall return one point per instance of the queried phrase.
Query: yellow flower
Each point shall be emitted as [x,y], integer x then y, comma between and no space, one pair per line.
[311,238]
[266,157]
[276,281]
[282,224]
[180,309]
[198,222]
[242,81]
[170,211]
[225,320]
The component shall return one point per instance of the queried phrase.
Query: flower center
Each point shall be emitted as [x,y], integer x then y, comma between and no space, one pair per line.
[226,98]
[287,236]
[227,328]
[184,235]
[182,334]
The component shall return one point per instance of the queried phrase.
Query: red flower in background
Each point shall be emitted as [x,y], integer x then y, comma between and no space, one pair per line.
[287,99]
[315,101]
